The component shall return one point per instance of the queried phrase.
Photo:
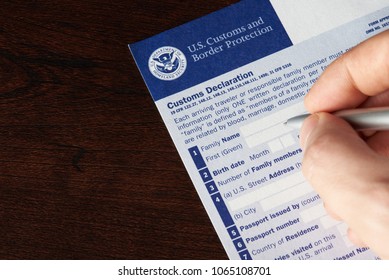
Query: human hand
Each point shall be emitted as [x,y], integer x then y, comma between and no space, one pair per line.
[350,171]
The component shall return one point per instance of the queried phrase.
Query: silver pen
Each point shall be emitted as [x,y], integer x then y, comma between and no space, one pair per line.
[359,119]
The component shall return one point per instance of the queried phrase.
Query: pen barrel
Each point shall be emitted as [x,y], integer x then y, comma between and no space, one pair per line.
[366,119]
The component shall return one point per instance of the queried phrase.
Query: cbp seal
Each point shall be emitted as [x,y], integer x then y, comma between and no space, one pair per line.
[167,63]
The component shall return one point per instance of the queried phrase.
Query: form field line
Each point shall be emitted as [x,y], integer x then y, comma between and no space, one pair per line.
[266,191]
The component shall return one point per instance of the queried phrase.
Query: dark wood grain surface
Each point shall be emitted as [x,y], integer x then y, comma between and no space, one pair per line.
[87,168]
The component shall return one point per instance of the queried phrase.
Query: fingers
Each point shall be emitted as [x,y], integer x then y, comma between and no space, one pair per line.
[333,151]
[348,81]
[380,100]
[331,213]
[379,143]
[352,236]
[355,238]
[350,173]
[350,177]
[335,159]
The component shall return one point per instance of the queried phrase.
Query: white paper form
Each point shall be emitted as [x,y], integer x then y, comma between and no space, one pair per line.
[224,85]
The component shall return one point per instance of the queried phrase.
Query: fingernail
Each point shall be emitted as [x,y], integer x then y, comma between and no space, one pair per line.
[308,126]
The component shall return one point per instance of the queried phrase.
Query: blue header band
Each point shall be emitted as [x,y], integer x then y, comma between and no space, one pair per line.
[205,48]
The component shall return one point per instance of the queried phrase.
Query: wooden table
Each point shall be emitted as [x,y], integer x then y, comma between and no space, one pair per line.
[87,168]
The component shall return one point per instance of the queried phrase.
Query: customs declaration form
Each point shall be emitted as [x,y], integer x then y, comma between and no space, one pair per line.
[224,85]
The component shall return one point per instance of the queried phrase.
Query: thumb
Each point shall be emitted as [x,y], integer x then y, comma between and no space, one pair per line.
[333,152]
